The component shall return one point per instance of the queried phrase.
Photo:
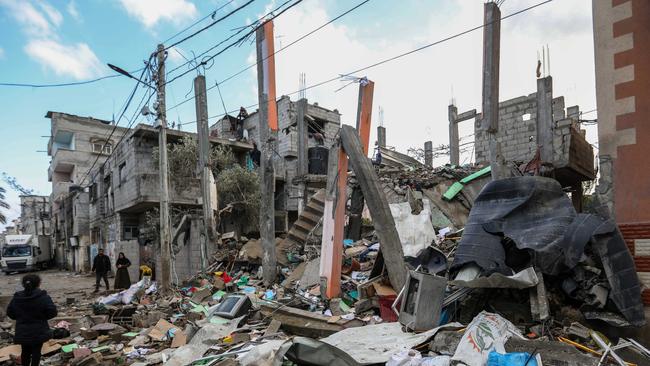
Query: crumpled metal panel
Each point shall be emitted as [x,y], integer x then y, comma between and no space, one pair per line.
[537,215]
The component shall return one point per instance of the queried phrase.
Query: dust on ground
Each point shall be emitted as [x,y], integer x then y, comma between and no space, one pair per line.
[58,284]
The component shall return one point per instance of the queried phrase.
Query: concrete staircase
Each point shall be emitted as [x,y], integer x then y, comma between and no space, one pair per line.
[299,232]
[307,220]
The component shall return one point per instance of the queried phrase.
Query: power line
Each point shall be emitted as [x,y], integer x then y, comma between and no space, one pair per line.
[28,85]
[393,58]
[298,40]
[84,82]
[240,39]
[241,29]
[209,25]
[276,52]
[197,22]
[126,106]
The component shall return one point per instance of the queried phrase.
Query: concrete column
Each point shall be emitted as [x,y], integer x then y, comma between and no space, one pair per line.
[545,118]
[381,136]
[428,154]
[454,144]
[491,56]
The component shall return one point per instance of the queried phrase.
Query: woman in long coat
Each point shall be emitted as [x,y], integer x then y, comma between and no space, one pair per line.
[122,279]
[31,309]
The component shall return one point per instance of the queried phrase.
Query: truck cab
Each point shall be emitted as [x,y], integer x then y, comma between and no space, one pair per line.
[21,253]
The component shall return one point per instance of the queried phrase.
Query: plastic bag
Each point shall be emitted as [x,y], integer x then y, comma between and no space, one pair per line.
[436,361]
[487,332]
[511,359]
[407,357]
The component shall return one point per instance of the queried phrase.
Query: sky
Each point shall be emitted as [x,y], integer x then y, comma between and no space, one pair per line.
[60,41]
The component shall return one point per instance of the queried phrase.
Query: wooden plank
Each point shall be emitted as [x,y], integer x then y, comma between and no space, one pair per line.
[378,206]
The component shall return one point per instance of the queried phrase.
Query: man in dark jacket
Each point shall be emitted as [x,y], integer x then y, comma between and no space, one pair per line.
[101,266]
[31,309]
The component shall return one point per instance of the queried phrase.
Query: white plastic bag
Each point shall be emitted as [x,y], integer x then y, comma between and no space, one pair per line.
[407,357]
[436,361]
[485,333]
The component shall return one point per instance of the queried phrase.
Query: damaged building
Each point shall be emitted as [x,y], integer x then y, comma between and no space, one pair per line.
[536,132]
[77,145]
[125,196]
[322,125]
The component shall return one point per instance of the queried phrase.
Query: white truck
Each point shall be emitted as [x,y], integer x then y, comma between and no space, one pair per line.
[22,253]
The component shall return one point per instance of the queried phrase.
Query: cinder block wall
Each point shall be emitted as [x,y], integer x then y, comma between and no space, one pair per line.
[518,131]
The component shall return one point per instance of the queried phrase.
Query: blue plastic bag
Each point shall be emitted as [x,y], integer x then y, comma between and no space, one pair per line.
[511,359]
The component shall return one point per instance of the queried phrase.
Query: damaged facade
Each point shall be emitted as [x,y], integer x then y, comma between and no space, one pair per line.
[539,128]
[127,188]
[77,144]
[322,125]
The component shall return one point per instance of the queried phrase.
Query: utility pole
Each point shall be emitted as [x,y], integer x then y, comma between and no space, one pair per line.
[165,229]
[491,54]
[268,125]
[201,105]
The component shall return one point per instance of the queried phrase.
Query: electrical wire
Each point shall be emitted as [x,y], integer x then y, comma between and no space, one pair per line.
[76,83]
[209,25]
[197,22]
[278,51]
[126,106]
[238,41]
[393,58]
[241,29]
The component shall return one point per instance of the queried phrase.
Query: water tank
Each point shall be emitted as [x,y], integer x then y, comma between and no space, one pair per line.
[318,160]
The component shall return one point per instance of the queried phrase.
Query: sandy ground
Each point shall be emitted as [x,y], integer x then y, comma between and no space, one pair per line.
[58,284]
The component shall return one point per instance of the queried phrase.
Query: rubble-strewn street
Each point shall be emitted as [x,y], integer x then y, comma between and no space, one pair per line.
[58,284]
[497,214]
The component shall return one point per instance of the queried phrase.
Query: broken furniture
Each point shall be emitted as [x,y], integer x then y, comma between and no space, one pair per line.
[422,301]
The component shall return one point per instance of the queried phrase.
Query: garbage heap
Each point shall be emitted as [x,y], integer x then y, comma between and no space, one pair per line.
[526,281]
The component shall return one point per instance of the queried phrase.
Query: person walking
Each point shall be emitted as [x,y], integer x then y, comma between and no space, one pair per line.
[101,266]
[31,309]
[122,279]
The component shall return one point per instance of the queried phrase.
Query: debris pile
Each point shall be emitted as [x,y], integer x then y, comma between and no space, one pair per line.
[527,281]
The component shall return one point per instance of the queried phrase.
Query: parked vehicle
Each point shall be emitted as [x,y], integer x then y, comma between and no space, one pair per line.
[22,253]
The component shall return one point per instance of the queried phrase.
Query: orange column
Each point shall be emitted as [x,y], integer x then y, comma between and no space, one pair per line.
[364,112]
[268,63]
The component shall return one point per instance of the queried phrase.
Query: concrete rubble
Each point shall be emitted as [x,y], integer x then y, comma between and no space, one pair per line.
[226,316]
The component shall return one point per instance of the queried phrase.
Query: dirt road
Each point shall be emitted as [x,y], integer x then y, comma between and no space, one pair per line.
[58,284]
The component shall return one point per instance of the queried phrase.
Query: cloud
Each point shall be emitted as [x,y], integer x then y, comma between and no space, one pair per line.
[415,90]
[72,10]
[150,12]
[33,21]
[77,60]
[55,16]
[39,21]
[2,53]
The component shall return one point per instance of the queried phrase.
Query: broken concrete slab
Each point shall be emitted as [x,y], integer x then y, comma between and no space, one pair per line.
[311,275]
[374,344]
[306,323]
